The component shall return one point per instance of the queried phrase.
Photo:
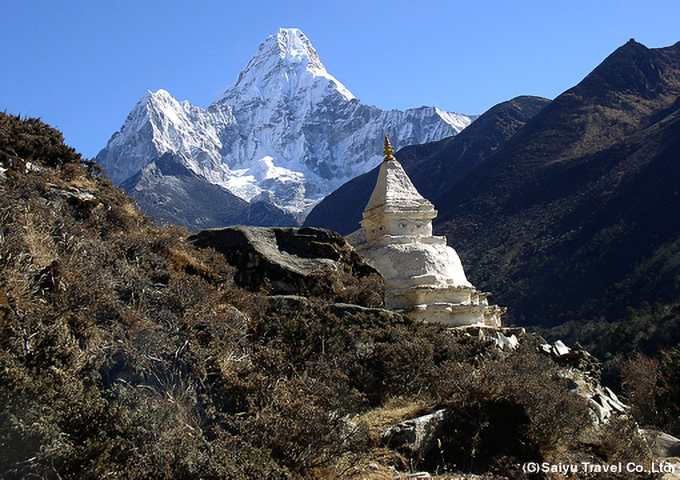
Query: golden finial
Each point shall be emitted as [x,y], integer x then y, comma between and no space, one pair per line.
[388,150]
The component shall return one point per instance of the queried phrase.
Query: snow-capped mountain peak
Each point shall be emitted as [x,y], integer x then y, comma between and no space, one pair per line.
[286,132]
[284,63]
[296,49]
[160,124]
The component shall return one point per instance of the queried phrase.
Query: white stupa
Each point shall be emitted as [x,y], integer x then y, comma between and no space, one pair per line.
[425,278]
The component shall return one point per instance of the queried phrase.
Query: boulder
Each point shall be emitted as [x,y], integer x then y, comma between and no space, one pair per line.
[576,358]
[662,444]
[505,339]
[283,261]
[417,435]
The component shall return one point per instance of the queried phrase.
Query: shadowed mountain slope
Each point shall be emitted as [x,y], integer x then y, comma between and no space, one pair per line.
[170,193]
[577,216]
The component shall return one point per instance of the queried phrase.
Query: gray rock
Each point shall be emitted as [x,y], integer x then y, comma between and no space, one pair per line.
[283,261]
[575,358]
[505,339]
[505,342]
[418,434]
[662,444]
[559,348]
[603,402]
[75,196]
[584,371]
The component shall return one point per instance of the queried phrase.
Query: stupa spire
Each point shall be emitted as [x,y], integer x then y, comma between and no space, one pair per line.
[388,150]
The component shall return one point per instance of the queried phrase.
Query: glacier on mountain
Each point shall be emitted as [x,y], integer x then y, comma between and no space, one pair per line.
[286,132]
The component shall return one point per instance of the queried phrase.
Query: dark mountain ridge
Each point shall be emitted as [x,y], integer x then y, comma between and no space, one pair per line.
[630,90]
[172,194]
[568,218]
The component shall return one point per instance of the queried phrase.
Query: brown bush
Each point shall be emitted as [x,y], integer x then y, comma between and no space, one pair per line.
[640,381]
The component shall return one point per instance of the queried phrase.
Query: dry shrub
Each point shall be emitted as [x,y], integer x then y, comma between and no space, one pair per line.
[102,370]
[508,411]
[620,441]
[652,389]
[418,361]
[640,381]
[669,399]
[348,287]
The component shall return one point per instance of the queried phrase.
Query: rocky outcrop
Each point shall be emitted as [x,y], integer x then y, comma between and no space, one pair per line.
[283,261]
[584,372]
[418,435]
[662,444]
[505,339]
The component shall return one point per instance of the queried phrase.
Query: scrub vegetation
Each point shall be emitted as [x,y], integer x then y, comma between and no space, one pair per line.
[125,352]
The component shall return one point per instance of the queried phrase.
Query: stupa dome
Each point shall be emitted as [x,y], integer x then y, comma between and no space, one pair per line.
[424,276]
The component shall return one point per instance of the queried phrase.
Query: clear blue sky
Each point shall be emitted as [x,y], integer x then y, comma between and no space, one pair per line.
[82,65]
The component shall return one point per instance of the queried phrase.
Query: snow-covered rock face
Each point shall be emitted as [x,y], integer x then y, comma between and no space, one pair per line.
[291,66]
[287,131]
[160,124]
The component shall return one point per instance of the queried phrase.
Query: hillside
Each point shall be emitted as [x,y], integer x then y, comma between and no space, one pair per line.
[128,352]
[577,216]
